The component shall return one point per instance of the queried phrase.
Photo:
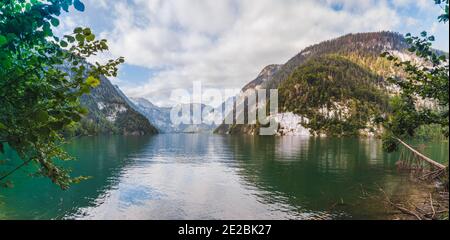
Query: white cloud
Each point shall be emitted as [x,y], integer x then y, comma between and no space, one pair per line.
[225,43]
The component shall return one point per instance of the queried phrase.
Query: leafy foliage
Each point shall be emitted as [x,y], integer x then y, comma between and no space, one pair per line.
[428,80]
[38,100]
[444,5]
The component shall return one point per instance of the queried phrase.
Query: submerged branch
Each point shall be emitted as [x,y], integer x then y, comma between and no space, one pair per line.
[423,157]
[15,170]
[402,209]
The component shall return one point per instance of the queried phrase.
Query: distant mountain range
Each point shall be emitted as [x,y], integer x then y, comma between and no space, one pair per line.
[337,87]
[160,117]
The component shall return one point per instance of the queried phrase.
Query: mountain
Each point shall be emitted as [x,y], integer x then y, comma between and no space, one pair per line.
[334,96]
[160,117]
[110,112]
[264,77]
[363,48]
[337,87]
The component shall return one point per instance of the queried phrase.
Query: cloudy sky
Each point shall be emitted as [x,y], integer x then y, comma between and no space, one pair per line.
[169,44]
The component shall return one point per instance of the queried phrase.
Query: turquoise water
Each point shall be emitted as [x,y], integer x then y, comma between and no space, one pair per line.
[215,177]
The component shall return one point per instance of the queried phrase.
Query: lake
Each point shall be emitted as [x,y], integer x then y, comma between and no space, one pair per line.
[216,177]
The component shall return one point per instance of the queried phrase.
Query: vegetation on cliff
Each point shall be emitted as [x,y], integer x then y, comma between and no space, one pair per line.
[337,96]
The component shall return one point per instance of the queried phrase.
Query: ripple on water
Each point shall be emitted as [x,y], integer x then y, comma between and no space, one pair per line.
[214,177]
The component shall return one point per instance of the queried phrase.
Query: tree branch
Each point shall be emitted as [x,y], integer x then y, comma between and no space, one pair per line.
[15,170]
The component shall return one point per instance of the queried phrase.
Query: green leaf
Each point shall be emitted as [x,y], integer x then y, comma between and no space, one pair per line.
[70,39]
[47,29]
[85,90]
[87,31]
[28,7]
[78,5]
[3,40]
[55,22]
[78,30]
[65,7]
[78,180]
[92,81]
[90,38]
[41,116]
[63,44]
[80,37]
[83,111]
[2,126]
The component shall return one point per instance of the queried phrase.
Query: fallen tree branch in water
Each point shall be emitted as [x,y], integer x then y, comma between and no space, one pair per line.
[432,207]
[15,170]
[402,209]
[423,157]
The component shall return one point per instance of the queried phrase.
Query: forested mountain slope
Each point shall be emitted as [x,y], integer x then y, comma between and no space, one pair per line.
[110,112]
[337,87]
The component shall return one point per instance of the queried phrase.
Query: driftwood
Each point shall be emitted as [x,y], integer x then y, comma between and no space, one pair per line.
[423,157]
[427,170]
[402,209]
[432,207]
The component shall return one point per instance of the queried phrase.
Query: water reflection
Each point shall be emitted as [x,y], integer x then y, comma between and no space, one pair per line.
[216,177]
[310,174]
[101,158]
[213,177]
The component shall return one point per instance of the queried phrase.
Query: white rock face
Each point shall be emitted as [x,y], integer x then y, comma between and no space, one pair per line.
[403,56]
[101,105]
[306,53]
[291,125]
[428,103]
[339,110]
[114,110]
